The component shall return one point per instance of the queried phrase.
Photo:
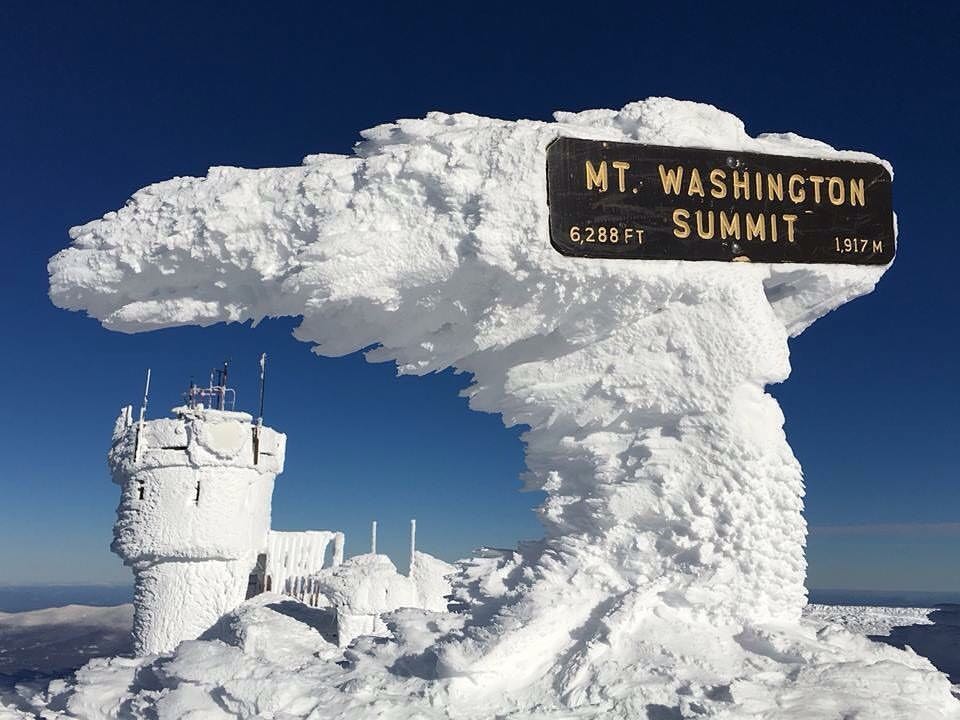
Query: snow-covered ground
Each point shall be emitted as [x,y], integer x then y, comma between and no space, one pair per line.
[933,633]
[866,620]
[269,656]
[39,645]
[46,643]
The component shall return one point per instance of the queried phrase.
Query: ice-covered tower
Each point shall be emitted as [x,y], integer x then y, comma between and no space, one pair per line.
[194,515]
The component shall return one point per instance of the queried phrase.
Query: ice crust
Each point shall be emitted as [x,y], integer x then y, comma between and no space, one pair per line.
[194,514]
[670,579]
[365,587]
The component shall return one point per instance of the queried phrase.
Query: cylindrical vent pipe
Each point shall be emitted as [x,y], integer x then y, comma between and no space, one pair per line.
[373,537]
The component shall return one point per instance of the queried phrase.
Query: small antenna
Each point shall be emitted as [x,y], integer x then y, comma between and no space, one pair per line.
[146,396]
[143,411]
[223,386]
[413,544]
[216,395]
[373,538]
[259,426]
[263,381]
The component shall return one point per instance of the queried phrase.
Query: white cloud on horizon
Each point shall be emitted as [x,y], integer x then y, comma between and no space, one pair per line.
[945,529]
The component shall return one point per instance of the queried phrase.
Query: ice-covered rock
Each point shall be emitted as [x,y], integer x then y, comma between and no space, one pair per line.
[670,579]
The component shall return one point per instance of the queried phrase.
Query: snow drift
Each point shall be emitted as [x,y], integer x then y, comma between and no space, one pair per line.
[670,579]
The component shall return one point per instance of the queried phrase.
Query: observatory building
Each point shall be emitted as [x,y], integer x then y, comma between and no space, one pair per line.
[194,525]
[194,512]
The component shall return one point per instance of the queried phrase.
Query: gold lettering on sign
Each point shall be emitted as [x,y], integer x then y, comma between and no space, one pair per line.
[597,178]
[817,181]
[719,189]
[695,187]
[795,189]
[741,185]
[835,191]
[789,220]
[671,180]
[621,168]
[705,234]
[756,228]
[680,217]
[775,186]
[857,193]
[729,227]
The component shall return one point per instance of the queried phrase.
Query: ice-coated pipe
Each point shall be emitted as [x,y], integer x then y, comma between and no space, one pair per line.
[413,542]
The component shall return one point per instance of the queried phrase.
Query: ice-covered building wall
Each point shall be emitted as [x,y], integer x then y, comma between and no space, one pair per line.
[194,515]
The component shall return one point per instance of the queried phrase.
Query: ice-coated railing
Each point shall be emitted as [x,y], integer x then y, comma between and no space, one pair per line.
[294,557]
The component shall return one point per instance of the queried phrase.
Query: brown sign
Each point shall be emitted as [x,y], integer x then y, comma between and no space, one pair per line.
[650,202]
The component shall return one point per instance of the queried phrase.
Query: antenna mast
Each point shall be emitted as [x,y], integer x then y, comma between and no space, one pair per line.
[143,412]
[413,545]
[216,395]
[258,427]
[223,386]
[263,382]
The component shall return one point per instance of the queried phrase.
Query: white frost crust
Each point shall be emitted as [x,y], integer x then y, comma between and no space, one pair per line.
[367,586]
[293,557]
[177,601]
[674,534]
[194,514]
[869,620]
[267,659]
[431,582]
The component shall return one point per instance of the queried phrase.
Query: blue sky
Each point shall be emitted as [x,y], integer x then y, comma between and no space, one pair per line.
[97,102]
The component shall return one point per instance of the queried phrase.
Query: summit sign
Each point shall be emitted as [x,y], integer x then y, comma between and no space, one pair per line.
[652,202]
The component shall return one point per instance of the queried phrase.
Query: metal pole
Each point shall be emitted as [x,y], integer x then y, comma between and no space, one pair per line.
[373,537]
[223,386]
[259,426]
[413,544]
[143,411]
[263,382]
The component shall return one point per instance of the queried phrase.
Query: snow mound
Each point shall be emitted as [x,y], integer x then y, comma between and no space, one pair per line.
[367,586]
[670,579]
[272,657]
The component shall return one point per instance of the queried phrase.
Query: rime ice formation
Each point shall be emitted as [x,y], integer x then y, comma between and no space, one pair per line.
[194,514]
[670,579]
[365,587]
[292,557]
[194,518]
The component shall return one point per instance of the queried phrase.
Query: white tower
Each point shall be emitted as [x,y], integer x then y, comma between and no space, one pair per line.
[194,515]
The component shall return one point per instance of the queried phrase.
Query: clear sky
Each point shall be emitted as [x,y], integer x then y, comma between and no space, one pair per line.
[98,101]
